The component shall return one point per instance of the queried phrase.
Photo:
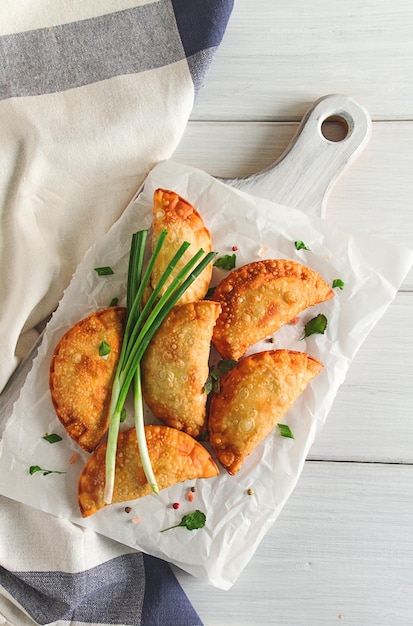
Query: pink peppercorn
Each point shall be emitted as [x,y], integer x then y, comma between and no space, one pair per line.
[294,321]
[234,248]
[176,505]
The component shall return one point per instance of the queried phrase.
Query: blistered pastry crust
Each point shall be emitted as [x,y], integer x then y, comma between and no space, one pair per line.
[260,297]
[183,223]
[174,455]
[175,366]
[254,396]
[81,380]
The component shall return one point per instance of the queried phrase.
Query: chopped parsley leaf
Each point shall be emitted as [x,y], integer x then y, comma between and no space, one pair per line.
[210,292]
[285,431]
[226,262]
[52,438]
[36,468]
[104,348]
[337,282]
[300,245]
[213,382]
[191,521]
[317,325]
[104,271]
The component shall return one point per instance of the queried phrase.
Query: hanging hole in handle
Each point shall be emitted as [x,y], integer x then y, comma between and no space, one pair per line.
[335,128]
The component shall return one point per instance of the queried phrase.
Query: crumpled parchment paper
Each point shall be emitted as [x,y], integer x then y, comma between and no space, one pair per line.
[372,271]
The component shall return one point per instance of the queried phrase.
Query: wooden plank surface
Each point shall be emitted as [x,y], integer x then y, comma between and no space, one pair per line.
[374,195]
[279,57]
[341,551]
[372,394]
[371,419]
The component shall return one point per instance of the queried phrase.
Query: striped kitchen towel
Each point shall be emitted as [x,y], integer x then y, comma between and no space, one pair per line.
[92,95]
[54,572]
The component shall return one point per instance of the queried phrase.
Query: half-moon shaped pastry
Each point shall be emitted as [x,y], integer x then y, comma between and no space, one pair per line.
[183,223]
[253,398]
[81,378]
[175,366]
[174,455]
[260,297]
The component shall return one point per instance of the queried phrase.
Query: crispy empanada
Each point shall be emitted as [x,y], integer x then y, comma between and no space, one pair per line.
[175,366]
[253,398]
[80,379]
[260,297]
[183,223]
[174,455]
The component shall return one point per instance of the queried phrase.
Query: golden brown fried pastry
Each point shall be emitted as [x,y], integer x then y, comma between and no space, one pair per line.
[174,455]
[260,297]
[175,366]
[253,398]
[183,223]
[81,380]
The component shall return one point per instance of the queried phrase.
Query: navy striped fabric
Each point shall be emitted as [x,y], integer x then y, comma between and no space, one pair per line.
[201,32]
[72,55]
[130,588]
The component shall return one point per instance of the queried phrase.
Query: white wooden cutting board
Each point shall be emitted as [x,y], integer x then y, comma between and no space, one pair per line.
[304,175]
[301,178]
[289,571]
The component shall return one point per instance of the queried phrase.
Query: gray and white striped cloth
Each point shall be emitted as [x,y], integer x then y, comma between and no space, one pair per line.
[92,95]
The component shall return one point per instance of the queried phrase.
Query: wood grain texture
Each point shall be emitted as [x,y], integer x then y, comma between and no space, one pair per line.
[278,58]
[342,550]
[373,196]
[311,165]
[342,546]
[371,418]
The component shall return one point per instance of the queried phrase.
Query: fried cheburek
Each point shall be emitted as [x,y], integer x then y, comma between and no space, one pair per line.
[80,379]
[175,366]
[254,396]
[174,455]
[183,223]
[260,297]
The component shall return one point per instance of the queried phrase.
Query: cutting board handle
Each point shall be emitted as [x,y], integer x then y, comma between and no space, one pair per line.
[305,173]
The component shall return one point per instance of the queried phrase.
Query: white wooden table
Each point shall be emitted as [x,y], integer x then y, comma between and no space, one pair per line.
[342,550]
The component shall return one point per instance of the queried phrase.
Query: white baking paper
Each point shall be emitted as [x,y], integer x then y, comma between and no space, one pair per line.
[372,271]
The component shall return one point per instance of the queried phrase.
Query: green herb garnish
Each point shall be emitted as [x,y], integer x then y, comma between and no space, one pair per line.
[213,382]
[300,245]
[104,271]
[114,302]
[210,293]
[317,325]
[204,436]
[104,348]
[226,262]
[142,323]
[225,365]
[52,438]
[337,282]
[285,431]
[191,521]
[36,468]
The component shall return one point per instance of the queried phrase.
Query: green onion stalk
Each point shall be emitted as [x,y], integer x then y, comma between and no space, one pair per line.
[141,324]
